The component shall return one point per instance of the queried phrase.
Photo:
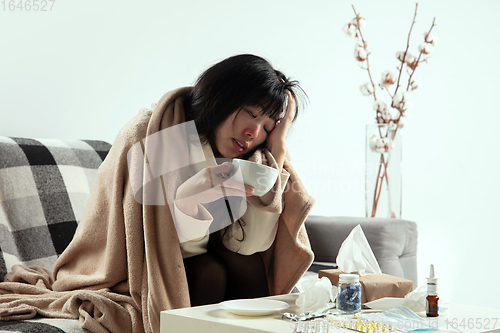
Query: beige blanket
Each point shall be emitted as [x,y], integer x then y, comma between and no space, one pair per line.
[124,264]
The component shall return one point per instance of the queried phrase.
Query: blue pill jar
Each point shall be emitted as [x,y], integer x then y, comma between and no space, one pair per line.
[349,294]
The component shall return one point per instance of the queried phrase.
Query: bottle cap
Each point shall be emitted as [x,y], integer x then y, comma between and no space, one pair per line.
[432,283]
[346,278]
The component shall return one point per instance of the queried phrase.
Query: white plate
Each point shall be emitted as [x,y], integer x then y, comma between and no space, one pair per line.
[253,307]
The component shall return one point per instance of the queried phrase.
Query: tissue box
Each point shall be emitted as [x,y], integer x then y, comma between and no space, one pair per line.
[374,286]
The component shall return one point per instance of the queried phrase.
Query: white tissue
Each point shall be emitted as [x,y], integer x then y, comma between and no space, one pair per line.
[356,256]
[414,301]
[315,294]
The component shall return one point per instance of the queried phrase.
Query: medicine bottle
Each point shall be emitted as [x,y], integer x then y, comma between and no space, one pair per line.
[349,294]
[432,307]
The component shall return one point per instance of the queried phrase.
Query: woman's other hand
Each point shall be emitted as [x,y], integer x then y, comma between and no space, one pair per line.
[208,185]
[276,141]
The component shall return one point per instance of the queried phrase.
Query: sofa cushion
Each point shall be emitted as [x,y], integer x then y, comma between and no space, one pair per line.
[393,241]
[44,187]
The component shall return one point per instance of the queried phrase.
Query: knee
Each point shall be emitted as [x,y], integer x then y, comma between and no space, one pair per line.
[214,273]
[207,279]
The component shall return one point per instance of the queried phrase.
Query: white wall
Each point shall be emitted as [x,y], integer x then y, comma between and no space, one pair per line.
[85,68]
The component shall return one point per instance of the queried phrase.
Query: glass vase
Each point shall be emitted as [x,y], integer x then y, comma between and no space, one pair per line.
[383,181]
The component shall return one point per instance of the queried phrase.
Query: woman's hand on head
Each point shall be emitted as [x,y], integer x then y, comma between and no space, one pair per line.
[276,140]
[206,186]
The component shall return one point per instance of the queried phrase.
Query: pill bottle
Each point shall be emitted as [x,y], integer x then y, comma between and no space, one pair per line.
[349,294]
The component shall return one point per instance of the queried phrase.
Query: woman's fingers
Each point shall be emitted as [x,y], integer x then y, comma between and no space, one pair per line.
[220,175]
[221,171]
[290,110]
[209,185]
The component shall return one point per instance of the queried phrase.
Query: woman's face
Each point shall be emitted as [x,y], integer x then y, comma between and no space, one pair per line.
[242,132]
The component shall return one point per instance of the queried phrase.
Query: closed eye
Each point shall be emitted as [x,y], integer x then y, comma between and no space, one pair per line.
[254,116]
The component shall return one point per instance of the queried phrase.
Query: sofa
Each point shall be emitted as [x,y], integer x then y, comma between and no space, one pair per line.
[393,242]
[45,185]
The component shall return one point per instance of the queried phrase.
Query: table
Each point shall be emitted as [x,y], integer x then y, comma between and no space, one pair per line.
[209,318]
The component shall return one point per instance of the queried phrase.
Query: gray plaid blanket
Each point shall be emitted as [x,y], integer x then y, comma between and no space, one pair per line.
[44,187]
[42,325]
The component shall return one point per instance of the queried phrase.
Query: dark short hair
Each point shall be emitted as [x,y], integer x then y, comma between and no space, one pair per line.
[233,83]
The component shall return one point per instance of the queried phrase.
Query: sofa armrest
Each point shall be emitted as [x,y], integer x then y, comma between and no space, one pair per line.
[393,241]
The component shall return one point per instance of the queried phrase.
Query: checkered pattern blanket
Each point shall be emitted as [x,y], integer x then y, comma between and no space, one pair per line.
[42,325]
[44,187]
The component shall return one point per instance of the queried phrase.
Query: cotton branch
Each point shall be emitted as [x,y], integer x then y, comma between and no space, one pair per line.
[406,51]
[420,55]
[367,53]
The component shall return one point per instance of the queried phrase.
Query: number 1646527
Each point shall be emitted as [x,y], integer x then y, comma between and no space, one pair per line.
[27,5]
[472,323]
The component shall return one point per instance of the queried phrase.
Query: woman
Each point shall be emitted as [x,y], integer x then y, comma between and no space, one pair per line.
[239,105]
[127,261]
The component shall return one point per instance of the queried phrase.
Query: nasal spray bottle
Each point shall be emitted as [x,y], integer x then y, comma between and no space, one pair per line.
[432,307]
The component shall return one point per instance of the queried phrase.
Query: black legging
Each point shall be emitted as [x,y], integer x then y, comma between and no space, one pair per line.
[220,275]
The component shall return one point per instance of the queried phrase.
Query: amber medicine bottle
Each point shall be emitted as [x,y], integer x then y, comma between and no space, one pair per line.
[432,307]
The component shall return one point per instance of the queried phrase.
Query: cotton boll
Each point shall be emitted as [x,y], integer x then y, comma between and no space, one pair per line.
[411,61]
[425,48]
[379,106]
[430,38]
[394,114]
[409,58]
[388,78]
[360,54]
[360,43]
[366,89]
[390,115]
[361,22]
[373,142]
[387,116]
[400,100]
[402,122]
[382,145]
[429,48]
[396,100]
[378,144]
[350,29]
[400,55]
